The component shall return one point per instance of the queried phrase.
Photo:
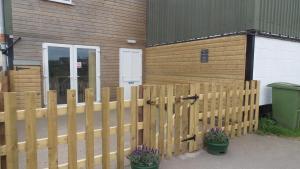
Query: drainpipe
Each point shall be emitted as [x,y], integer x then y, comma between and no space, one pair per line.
[7,40]
[2,39]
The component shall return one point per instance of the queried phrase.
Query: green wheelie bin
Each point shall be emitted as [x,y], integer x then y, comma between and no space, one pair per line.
[286,104]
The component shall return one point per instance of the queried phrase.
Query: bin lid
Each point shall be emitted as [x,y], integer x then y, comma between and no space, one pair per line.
[284,85]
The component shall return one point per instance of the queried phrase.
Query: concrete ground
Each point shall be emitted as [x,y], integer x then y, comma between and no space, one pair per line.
[247,152]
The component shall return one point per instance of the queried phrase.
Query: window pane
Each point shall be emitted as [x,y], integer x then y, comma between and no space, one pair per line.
[86,70]
[59,72]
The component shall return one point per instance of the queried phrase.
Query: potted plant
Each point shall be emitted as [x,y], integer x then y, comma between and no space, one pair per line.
[216,141]
[144,158]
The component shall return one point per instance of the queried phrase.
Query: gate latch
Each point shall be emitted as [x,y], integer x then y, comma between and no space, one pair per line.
[191,138]
[195,98]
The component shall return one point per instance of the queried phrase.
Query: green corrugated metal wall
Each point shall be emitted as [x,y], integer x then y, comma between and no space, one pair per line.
[171,21]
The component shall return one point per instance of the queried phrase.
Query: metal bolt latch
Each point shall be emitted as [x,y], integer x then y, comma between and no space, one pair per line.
[190,138]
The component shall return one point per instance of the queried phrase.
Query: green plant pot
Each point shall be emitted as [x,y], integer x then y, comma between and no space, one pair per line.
[136,166]
[217,149]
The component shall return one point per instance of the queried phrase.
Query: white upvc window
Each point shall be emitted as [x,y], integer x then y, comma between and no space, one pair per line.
[62,1]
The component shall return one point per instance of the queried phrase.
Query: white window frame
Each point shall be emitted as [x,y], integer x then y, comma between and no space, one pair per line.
[69,2]
[73,69]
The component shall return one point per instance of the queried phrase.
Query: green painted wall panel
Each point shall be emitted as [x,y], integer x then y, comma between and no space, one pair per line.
[171,21]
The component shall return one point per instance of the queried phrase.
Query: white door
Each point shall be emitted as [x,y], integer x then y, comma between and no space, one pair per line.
[130,69]
[71,67]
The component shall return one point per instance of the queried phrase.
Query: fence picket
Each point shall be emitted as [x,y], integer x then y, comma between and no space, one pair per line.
[185,119]
[89,110]
[205,108]
[213,105]
[162,114]
[252,97]
[120,128]
[196,118]
[246,108]
[170,89]
[177,120]
[234,111]
[52,130]
[192,118]
[72,130]
[30,122]
[134,115]
[257,105]
[240,110]
[228,110]
[221,102]
[146,116]
[153,117]
[105,128]
[11,136]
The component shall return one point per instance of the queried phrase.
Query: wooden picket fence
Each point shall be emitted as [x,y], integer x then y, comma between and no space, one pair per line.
[175,118]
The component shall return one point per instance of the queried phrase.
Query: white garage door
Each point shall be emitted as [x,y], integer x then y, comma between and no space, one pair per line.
[275,61]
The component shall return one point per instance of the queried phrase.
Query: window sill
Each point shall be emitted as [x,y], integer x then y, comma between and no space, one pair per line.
[62,2]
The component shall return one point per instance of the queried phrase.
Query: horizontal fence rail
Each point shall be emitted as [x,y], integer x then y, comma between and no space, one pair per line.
[172,118]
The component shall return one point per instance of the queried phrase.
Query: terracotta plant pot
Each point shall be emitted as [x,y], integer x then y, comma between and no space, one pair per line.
[137,166]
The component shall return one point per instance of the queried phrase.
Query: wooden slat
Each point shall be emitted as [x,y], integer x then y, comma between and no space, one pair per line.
[234,110]
[196,120]
[120,129]
[185,119]
[257,105]
[252,97]
[228,110]
[30,125]
[153,118]
[89,127]
[105,128]
[240,111]
[162,115]
[11,136]
[221,103]
[72,130]
[193,115]
[134,115]
[146,95]
[213,105]
[170,89]
[177,122]
[246,113]
[205,108]
[52,130]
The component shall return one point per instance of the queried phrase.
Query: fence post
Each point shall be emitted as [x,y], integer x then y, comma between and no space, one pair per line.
[72,130]
[252,97]
[146,116]
[153,117]
[221,104]
[11,136]
[213,105]
[105,128]
[30,122]
[52,130]
[162,115]
[3,88]
[120,128]
[246,108]
[170,91]
[89,113]
[257,105]
[134,116]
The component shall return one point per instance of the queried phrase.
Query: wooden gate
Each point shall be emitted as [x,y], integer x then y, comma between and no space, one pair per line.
[176,117]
